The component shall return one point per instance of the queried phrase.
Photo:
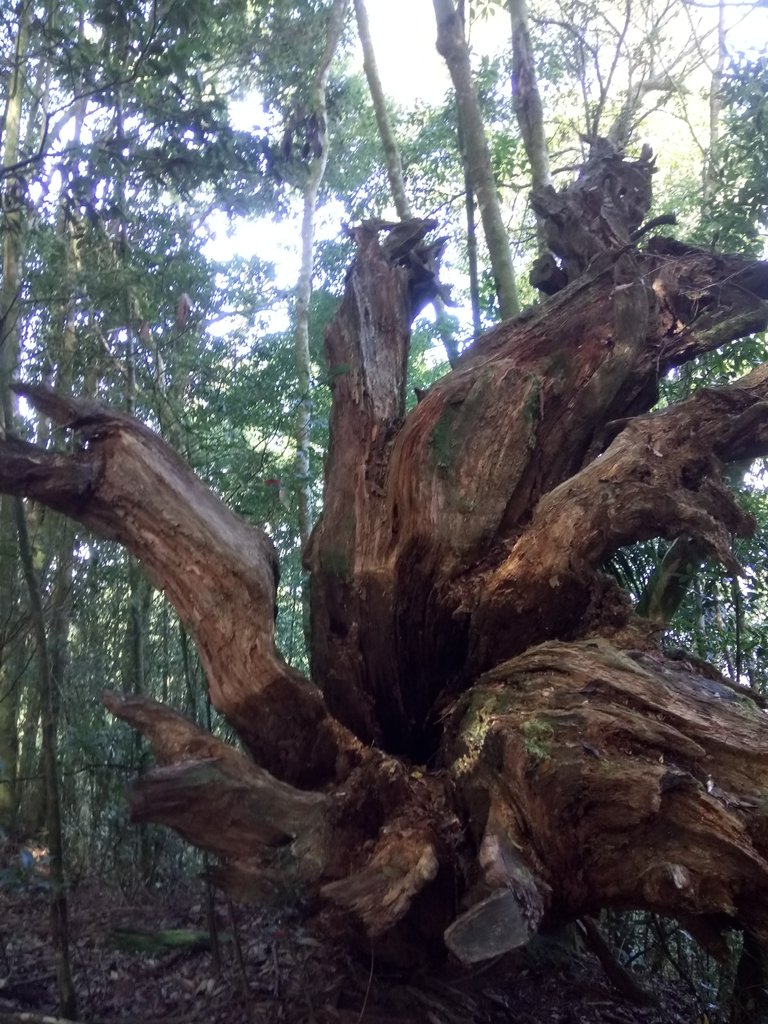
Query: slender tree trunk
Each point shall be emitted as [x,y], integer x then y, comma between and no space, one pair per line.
[61,540]
[669,583]
[316,171]
[9,736]
[315,175]
[15,227]
[134,681]
[58,905]
[301,349]
[526,96]
[138,592]
[527,102]
[388,141]
[710,172]
[12,249]
[9,685]
[469,208]
[452,45]
[31,810]
[186,674]
[61,534]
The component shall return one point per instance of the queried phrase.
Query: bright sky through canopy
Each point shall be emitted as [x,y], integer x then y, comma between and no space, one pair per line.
[404,34]
[412,72]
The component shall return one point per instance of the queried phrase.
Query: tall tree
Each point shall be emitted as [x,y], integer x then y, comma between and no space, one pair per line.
[316,142]
[527,100]
[710,171]
[452,45]
[15,212]
[388,140]
[13,242]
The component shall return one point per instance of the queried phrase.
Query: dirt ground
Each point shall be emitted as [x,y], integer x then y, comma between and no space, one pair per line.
[274,969]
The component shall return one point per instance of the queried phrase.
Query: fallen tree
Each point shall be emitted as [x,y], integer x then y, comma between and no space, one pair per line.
[493,739]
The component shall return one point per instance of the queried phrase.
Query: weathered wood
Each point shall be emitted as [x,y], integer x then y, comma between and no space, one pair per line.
[404,862]
[218,571]
[213,795]
[494,740]
[620,781]
[599,212]
[426,550]
[367,352]
[661,476]
[490,928]
[369,850]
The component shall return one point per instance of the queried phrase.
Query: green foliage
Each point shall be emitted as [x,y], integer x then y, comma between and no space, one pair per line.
[355,174]
[657,949]
[426,361]
[122,301]
[738,213]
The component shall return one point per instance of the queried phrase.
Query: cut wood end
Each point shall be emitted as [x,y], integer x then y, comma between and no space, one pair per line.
[491,927]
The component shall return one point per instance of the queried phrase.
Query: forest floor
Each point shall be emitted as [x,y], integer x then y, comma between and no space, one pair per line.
[274,969]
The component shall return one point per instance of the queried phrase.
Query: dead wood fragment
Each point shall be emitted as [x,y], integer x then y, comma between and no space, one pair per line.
[600,212]
[381,893]
[208,791]
[612,763]
[495,925]
[219,572]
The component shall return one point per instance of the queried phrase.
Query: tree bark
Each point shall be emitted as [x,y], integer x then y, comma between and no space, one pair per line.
[388,141]
[527,102]
[709,177]
[472,261]
[126,465]
[12,249]
[15,219]
[9,734]
[452,45]
[315,172]
[494,740]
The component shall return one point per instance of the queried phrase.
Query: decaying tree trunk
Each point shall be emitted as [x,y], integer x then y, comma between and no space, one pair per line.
[493,739]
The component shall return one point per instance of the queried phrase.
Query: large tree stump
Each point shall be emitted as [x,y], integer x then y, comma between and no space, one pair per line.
[493,739]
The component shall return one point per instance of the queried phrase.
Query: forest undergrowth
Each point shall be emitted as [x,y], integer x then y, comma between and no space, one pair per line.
[275,969]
